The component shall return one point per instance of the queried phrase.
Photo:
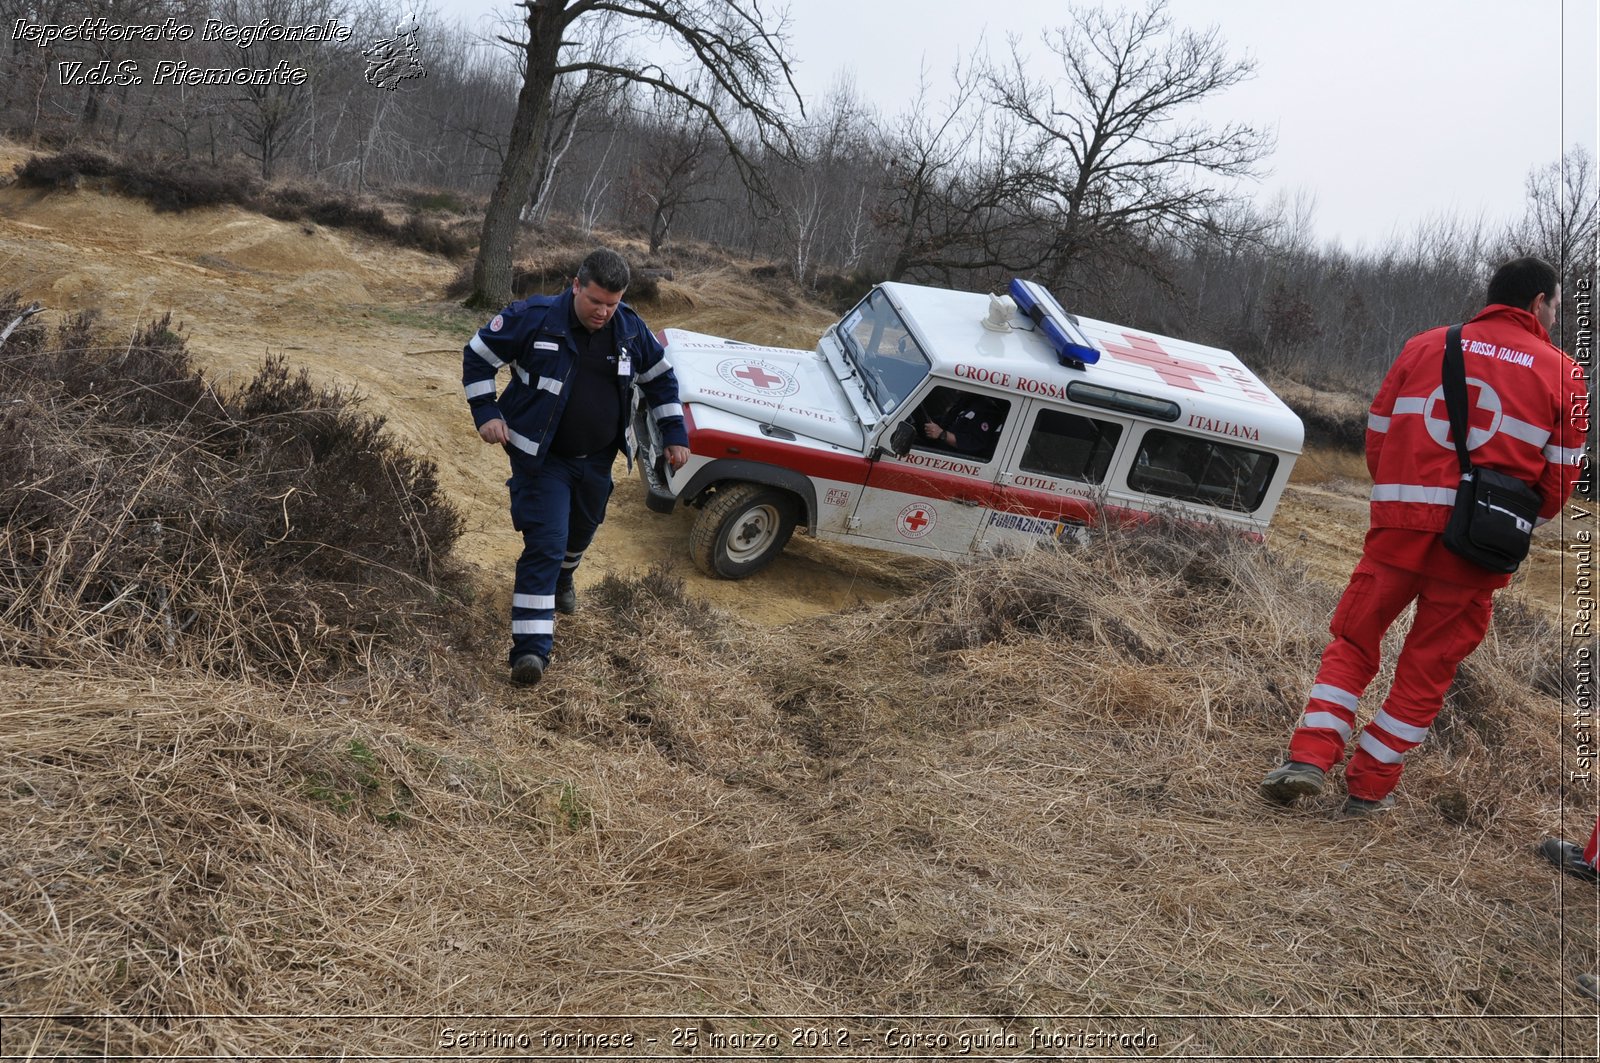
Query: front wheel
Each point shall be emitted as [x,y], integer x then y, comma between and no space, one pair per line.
[741,530]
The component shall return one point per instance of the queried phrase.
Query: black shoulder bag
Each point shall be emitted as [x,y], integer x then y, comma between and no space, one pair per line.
[1492,522]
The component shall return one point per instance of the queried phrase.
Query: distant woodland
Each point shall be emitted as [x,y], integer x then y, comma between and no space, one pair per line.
[1096,172]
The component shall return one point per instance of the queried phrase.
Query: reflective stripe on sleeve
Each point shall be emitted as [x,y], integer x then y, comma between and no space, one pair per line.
[1328,721]
[482,350]
[1531,434]
[1340,697]
[666,409]
[522,442]
[1377,750]
[1409,406]
[1564,455]
[479,389]
[654,371]
[1376,423]
[522,375]
[1436,496]
[1404,731]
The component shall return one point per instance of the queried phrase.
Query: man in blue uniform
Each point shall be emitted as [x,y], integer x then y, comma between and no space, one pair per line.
[578,360]
[970,426]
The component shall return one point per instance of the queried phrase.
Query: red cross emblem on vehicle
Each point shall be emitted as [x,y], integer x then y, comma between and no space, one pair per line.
[1484,415]
[1179,372]
[917,520]
[759,377]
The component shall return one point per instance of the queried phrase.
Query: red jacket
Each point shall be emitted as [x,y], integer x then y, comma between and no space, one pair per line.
[1527,413]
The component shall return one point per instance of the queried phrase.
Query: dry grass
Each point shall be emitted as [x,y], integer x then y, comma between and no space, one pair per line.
[1023,794]
[278,530]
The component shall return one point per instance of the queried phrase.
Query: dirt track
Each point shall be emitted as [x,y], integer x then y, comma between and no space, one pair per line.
[369,315]
[366,314]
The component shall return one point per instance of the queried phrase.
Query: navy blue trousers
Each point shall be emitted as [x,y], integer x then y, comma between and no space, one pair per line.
[557,508]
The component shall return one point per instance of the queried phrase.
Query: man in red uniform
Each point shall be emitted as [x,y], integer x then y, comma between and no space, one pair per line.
[1527,416]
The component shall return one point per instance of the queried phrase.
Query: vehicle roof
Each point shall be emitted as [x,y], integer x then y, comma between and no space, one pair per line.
[1216,393]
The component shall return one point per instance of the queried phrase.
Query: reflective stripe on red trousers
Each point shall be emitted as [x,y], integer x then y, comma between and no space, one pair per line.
[1451,620]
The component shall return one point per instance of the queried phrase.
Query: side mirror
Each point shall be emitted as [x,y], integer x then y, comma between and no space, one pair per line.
[900,439]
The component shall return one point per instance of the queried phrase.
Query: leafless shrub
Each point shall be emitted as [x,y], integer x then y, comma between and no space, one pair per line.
[1332,428]
[64,169]
[146,515]
[179,185]
[341,210]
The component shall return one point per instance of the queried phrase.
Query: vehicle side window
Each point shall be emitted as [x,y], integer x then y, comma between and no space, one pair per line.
[1070,446]
[1202,470]
[952,421]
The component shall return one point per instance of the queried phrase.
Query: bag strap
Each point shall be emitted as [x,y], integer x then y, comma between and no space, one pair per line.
[1455,394]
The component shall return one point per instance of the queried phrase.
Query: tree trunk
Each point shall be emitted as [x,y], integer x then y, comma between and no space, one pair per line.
[491,274]
[660,222]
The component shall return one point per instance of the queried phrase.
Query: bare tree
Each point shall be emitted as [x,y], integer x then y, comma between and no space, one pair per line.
[812,191]
[677,165]
[944,207]
[569,106]
[1562,226]
[1111,155]
[272,111]
[114,56]
[730,40]
[37,80]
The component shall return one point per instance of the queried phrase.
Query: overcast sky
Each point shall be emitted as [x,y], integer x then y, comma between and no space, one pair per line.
[1387,112]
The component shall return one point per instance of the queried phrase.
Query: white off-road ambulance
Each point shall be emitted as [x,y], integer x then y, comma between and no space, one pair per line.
[950,423]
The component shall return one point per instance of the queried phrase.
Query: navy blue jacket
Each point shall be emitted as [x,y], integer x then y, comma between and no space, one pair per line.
[534,338]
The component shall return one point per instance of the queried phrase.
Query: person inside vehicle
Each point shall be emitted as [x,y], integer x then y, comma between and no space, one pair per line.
[971,425]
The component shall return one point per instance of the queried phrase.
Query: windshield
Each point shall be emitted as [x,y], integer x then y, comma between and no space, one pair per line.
[888,359]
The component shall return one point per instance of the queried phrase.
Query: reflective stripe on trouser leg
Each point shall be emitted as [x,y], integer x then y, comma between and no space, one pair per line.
[1325,726]
[569,566]
[1375,595]
[589,498]
[541,502]
[1450,622]
[533,615]
[557,507]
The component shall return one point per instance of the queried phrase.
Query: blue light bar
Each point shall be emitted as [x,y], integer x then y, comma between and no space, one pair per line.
[1073,348]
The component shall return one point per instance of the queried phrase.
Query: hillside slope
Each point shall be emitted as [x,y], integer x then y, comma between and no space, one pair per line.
[367,314]
[989,801]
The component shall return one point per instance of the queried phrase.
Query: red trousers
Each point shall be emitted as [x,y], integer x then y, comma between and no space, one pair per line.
[1451,620]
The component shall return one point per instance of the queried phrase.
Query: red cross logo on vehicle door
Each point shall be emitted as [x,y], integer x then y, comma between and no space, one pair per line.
[758,377]
[1484,415]
[917,520]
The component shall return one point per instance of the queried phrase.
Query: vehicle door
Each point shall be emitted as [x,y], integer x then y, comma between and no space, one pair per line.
[937,496]
[1054,476]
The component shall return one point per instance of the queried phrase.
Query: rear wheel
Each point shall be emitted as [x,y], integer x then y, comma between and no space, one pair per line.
[742,529]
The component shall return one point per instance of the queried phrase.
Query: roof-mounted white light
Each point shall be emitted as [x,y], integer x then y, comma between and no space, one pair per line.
[1001,308]
[1072,347]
